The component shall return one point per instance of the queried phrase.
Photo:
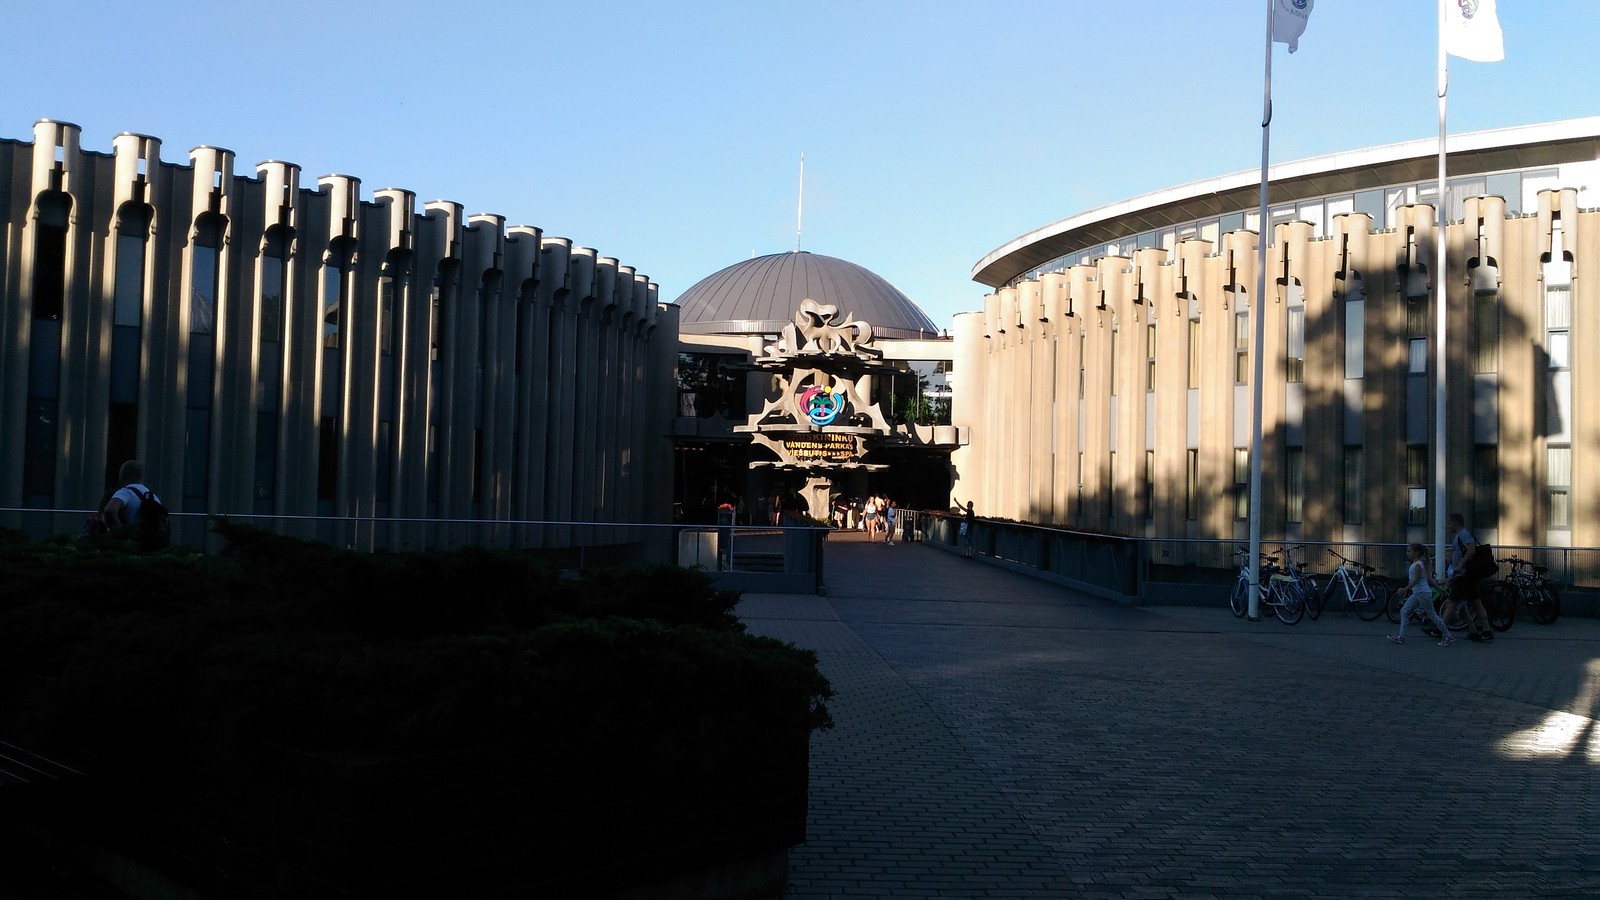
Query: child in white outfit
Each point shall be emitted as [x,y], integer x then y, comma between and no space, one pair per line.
[1421,586]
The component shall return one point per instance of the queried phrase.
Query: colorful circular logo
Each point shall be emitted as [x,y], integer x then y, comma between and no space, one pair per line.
[820,404]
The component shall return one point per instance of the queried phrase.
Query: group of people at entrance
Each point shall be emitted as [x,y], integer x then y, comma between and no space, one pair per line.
[876,515]
[1461,562]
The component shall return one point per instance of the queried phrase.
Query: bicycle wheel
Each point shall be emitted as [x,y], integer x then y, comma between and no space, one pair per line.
[1372,599]
[1289,602]
[1316,599]
[1392,606]
[1457,621]
[1547,608]
[1500,602]
[1239,600]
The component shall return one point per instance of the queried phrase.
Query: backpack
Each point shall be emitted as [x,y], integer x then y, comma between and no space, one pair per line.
[153,531]
[1482,564]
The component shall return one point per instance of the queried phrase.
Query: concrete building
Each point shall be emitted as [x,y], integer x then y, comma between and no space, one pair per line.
[273,349]
[1105,383]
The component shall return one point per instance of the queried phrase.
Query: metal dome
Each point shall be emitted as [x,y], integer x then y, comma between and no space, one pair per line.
[760,296]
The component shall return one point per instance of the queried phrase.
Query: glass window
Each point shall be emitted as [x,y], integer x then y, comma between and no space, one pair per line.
[1486,334]
[1352,485]
[1194,353]
[1417,484]
[1486,485]
[1150,356]
[1149,499]
[1558,475]
[1241,482]
[1371,203]
[1295,364]
[203,290]
[1241,347]
[1191,485]
[49,271]
[1417,356]
[333,287]
[128,303]
[1295,484]
[1355,316]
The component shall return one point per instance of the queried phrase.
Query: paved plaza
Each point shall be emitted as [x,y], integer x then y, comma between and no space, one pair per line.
[1000,736]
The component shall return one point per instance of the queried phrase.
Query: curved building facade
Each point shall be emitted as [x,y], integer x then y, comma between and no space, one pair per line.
[273,349]
[1106,382]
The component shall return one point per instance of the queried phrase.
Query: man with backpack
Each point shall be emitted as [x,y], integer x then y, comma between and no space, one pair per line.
[135,512]
[1470,564]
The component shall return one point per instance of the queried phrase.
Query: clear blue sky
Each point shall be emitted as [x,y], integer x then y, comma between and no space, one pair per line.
[668,134]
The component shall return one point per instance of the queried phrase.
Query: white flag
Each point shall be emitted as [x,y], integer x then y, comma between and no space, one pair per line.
[1289,21]
[1472,30]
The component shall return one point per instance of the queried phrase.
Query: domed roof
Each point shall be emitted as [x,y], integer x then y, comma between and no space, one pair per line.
[761,295]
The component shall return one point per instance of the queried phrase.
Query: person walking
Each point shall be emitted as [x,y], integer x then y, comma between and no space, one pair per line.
[888,521]
[869,514]
[1464,588]
[1421,586]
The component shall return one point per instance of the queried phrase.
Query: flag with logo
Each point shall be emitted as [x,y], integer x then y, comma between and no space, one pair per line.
[1471,30]
[1289,21]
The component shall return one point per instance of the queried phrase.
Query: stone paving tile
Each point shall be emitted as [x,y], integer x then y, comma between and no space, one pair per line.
[998,736]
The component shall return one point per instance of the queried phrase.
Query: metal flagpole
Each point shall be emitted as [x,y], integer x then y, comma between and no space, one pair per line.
[1441,353]
[1257,313]
[800,204]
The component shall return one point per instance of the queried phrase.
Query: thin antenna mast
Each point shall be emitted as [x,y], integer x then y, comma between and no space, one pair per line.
[800,206]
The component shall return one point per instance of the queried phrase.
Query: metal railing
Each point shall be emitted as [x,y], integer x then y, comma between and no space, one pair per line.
[791,553]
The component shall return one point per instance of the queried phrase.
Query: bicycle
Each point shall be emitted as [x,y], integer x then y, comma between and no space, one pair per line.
[1367,592]
[1525,585]
[1279,592]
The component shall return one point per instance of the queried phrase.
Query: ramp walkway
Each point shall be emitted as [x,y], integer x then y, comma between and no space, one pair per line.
[999,736]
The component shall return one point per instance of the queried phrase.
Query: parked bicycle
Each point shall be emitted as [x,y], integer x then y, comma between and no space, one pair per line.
[1280,592]
[1524,585]
[1360,589]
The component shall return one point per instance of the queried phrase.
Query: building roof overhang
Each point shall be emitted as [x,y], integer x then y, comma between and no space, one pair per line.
[1527,146]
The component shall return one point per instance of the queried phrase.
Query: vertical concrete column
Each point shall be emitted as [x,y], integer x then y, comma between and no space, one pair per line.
[1039,333]
[527,412]
[585,390]
[661,344]
[1057,310]
[556,261]
[1351,269]
[280,214]
[202,368]
[606,320]
[482,250]
[337,376]
[454,409]
[968,379]
[1125,450]
[1009,458]
[402,380]
[59,169]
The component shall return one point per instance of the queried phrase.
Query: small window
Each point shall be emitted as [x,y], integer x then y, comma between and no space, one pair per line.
[1295,360]
[1191,485]
[1558,475]
[1241,348]
[1355,317]
[1486,334]
[1417,484]
[1294,489]
[1241,482]
[1352,485]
